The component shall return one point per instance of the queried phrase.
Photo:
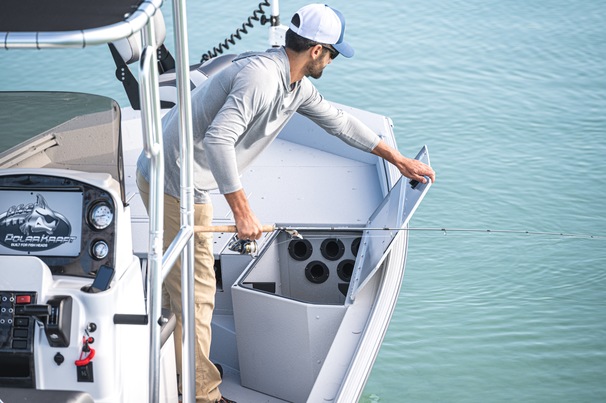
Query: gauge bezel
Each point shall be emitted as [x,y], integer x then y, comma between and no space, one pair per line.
[91,220]
[92,249]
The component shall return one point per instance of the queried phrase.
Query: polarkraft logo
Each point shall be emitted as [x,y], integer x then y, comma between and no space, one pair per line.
[34,227]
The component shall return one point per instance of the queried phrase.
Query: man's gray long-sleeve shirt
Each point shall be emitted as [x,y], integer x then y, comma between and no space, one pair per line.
[238,112]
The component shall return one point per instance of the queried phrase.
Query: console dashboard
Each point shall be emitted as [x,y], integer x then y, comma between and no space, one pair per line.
[68,224]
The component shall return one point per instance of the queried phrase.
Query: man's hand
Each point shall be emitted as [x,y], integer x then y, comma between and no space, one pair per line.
[409,167]
[415,169]
[247,223]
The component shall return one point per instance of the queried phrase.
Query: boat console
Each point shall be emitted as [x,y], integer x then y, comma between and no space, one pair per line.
[73,309]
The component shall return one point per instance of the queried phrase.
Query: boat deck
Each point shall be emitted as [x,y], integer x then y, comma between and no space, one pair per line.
[290,184]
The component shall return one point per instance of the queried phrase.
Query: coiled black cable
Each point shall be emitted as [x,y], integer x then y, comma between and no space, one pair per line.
[258,15]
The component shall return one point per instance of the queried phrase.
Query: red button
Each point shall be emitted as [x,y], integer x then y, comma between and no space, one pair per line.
[24,299]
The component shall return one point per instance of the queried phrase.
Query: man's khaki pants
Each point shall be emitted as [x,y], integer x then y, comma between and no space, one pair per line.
[207,375]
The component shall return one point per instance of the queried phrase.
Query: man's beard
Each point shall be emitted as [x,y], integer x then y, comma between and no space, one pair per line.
[315,69]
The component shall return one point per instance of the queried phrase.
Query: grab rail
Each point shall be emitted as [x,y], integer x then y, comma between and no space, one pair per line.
[186,151]
[152,135]
[161,264]
[173,252]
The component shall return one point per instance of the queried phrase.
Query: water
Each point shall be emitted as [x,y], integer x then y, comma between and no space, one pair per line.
[510,98]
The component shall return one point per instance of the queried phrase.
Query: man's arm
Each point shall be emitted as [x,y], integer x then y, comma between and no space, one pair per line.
[409,167]
[247,223]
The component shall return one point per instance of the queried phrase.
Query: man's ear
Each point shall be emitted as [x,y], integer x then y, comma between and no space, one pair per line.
[316,51]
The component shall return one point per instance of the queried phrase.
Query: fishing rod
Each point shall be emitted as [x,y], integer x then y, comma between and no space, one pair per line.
[294,231]
[250,246]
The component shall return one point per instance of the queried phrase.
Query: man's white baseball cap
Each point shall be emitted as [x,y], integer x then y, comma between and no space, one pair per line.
[322,24]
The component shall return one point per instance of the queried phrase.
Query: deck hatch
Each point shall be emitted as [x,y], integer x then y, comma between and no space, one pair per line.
[376,242]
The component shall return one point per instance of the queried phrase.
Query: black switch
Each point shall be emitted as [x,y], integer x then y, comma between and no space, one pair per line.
[21,322]
[20,333]
[20,344]
[85,373]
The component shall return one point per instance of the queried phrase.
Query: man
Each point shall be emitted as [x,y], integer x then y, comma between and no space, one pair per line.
[237,113]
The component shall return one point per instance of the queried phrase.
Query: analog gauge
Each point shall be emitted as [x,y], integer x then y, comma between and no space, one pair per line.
[101,216]
[100,249]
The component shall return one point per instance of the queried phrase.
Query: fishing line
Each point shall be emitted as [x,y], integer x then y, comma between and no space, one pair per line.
[446,231]
[510,231]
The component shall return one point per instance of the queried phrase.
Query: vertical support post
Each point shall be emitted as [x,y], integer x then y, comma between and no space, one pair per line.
[188,370]
[275,13]
[152,134]
[277,32]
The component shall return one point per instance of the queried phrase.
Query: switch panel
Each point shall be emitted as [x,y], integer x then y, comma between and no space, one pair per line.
[16,339]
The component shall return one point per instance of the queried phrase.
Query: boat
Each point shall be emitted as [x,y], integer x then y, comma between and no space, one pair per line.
[300,314]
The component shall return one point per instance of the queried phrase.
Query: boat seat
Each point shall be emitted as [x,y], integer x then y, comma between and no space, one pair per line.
[197,75]
[128,50]
[23,395]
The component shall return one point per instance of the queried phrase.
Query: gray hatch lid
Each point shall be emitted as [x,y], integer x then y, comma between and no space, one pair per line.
[393,213]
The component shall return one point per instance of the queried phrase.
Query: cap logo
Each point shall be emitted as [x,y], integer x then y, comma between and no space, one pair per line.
[296,20]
